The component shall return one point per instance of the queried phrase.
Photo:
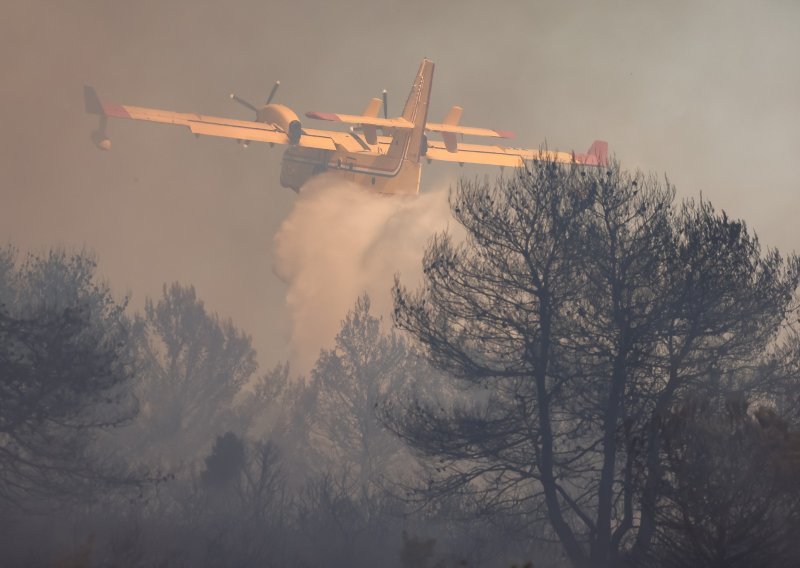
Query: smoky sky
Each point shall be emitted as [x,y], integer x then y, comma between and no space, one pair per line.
[707,93]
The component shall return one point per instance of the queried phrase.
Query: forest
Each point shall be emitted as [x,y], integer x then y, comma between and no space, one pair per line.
[597,375]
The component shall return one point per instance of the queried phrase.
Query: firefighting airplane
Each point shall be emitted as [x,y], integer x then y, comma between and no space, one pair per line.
[387,163]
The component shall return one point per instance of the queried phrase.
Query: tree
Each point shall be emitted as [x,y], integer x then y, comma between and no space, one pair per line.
[585,304]
[66,372]
[246,506]
[348,383]
[731,497]
[225,462]
[192,367]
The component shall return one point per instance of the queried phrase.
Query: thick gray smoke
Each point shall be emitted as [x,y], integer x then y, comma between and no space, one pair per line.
[339,241]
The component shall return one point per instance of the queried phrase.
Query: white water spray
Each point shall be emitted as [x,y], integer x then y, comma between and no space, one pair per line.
[339,241]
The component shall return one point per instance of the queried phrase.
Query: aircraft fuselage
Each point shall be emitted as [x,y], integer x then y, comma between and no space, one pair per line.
[382,173]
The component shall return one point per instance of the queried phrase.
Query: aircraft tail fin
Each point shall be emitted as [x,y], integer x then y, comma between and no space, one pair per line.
[597,155]
[408,144]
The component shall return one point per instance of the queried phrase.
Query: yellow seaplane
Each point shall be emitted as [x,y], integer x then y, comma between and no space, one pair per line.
[389,162]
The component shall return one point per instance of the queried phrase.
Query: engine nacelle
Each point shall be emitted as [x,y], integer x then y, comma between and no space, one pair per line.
[283,117]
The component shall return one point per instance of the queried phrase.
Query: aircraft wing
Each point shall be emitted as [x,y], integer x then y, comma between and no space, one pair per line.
[401,123]
[221,127]
[211,125]
[597,155]
[468,130]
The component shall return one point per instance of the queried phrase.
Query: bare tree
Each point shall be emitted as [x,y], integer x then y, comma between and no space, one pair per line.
[584,304]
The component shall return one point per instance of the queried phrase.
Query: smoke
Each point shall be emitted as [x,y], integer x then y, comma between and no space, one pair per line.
[341,240]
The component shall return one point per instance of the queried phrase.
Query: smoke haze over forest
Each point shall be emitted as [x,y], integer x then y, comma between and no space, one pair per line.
[705,92]
[576,366]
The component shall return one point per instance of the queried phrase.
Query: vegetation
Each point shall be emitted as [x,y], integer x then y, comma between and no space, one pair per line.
[598,376]
[66,368]
[587,305]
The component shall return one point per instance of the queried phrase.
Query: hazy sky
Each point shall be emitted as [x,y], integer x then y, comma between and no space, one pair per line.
[705,92]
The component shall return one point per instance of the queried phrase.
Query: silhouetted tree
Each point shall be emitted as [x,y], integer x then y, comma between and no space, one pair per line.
[66,371]
[246,514]
[225,462]
[731,498]
[585,305]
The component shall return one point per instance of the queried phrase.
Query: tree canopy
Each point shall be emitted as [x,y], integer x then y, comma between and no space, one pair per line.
[192,366]
[586,304]
[66,371]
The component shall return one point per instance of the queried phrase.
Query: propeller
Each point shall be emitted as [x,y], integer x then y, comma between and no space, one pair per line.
[244,103]
[385,104]
[273,91]
[251,106]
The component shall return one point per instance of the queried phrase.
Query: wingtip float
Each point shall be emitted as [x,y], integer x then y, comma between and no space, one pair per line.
[389,162]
